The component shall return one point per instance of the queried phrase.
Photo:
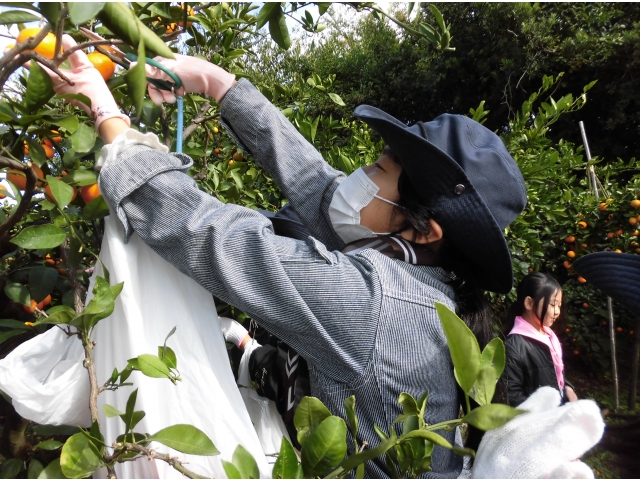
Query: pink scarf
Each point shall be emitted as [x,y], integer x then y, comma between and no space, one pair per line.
[524,328]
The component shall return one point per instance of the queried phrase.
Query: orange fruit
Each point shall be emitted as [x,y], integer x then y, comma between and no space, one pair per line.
[3,192]
[571,254]
[25,149]
[46,47]
[231,162]
[582,225]
[56,138]
[103,64]
[582,280]
[570,239]
[171,28]
[567,330]
[20,180]
[584,245]
[48,150]
[585,305]
[46,300]
[637,250]
[89,192]
[576,352]
[617,250]
[191,13]
[602,207]
[566,264]
[610,235]
[619,329]
[49,260]
[34,304]
[217,151]
[215,130]
[635,233]
[619,232]
[633,220]
[238,157]
[635,203]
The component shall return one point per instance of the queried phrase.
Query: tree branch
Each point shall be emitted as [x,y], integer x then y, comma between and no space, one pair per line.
[151,455]
[196,121]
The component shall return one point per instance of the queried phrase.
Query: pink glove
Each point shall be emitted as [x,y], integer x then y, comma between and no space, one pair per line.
[197,76]
[89,82]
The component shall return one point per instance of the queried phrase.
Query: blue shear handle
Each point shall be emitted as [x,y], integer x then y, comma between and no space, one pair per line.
[162,84]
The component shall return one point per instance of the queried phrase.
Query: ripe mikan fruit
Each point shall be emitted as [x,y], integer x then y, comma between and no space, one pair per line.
[571,254]
[617,250]
[619,232]
[20,180]
[89,192]
[602,207]
[576,352]
[582,280]
[610,235]
[217,151]
[582,225]
[635,203]
[238,157]
[25,149]
[215,130]
[103,63]
[585,305]
[34,304]
[46,47]
[570,239]
[48,150]
[566,264]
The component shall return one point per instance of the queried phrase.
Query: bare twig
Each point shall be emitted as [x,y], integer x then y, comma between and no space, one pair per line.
[61,16]
[89,364]
[85,45]
[152,454]
[196,121]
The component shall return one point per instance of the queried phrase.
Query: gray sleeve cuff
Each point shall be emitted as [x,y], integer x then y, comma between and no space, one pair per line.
[135,167]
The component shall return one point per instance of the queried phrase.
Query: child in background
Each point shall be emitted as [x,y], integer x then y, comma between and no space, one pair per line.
[534,354]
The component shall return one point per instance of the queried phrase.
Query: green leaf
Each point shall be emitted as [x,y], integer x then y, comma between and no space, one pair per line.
[70,123]
[127,418]
[50,11]
[17,16]
[110,411]
[11,333]
[286,465]
[18,293]
[238,179]
[492,365]
[152,366]
[40,236]
[60,314]
[13,324]
[99,307]
[39,88]
[168,356]
[123,22]
[185,439]
[36,152]
[80,98]
[231,470]
[96,208]
[83,139]
[42,280]
[53,470]
[325,448]
[309,414]
[80,12]
[438,16]
[245,463]
[463,345]
[360,458]
[278,28]
[11,468]
[62,193]
[137,82]
[336,99]
[491,416]
[49,445]
[35,468]
[78,459]
[350,409]
[265,13]
[409,404]
[81,178]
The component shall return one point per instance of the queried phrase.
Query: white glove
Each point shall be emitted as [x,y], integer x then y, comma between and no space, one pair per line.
[232,331]
[544,443]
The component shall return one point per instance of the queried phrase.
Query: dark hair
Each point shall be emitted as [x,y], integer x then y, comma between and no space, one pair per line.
[540,287]
[473,307]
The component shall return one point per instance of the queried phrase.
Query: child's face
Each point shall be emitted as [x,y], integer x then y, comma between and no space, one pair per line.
[553,311]
[377,215]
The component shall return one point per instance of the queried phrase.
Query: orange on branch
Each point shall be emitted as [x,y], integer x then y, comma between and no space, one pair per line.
[103,64]
[635,203]
[48,150]
[570,239]
[571,254]
[582,280]
[89,192]
[566,264]
[582,225]
[19,178]
[46,47]
[238,157]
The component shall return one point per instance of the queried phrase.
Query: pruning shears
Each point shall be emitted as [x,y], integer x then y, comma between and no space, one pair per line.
[127,58]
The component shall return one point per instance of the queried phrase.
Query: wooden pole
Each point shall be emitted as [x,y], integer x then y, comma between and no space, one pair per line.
[593,184]
[635,359]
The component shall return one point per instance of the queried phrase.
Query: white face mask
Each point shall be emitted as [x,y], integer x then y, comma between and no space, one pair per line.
[351,196]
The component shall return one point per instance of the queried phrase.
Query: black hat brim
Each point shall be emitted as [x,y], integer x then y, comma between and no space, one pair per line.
[465,219]
[616,274]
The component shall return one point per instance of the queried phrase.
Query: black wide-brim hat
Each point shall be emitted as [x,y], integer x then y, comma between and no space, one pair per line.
[616,274]
[467,178]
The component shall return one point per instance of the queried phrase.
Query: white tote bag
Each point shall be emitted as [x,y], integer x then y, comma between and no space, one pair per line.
[51,386]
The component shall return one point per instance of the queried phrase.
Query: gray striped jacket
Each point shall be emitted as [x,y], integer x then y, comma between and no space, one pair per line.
[365,323]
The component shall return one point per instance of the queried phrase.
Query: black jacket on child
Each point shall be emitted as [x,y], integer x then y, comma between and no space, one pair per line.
[529,366]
